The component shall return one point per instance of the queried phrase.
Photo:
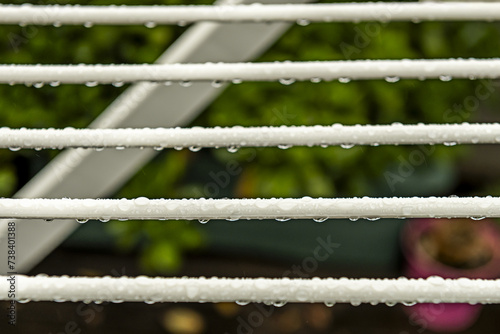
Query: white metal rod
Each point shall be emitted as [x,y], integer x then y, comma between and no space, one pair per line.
[283,136]
[280,209]
[285,72]
[243,290]
[337,12]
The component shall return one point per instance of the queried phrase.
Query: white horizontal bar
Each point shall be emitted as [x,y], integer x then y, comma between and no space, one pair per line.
[234,209]
[283,136]
[243,290]
[286,72]
[337,12]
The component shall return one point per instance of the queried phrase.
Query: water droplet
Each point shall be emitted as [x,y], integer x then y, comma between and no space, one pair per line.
[194,148]
[315,80]
[409,303]
[182,23]
[237,81]
[445,78]
[104,219]
[217,83]
[57,24]
[347,146]
[390,304]
[233,149]
[286,82]
[449,143]
[344,80]
[203,221]
[355,302]
[150,25]
[178,148]
[185,83]
[329,304]
[282,219]
[99,149]
[55,84]
[14,148]
[23,301]
[372,218]
[167,83]
[284,146]
[242,302]
[353,219]
[320,220]
[279,303]
[91,83]
[118,84]
[477,218]
[38,84]
[303,22]
[120,148]
[81,220]
[88,24]
[392,79]
[141,201]
[159,148]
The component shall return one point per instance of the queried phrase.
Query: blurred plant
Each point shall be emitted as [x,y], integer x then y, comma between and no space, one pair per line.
[266,172]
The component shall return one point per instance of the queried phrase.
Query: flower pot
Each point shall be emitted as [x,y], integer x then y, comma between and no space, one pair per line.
[422,261]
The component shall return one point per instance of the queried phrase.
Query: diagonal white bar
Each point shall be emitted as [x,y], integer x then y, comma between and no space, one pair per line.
[281,209]
[243,290]
[285,72]
[335,12]
[283,136]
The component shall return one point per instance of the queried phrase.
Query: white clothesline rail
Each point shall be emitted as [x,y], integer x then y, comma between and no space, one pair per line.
[234,137]
[244,290]
[336,12]
[285,72]
[281,209]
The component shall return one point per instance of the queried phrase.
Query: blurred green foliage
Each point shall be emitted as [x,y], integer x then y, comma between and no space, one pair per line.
[266,172]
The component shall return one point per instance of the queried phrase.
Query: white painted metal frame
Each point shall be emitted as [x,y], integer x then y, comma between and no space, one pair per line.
[234,137]
[234,209]
[246,290]
[334,12]
[286,72]
[145,98]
